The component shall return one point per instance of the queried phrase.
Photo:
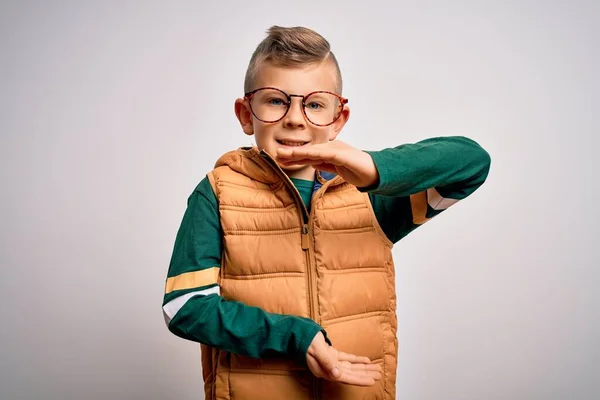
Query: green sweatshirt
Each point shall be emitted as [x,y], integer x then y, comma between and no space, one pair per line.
[454,166]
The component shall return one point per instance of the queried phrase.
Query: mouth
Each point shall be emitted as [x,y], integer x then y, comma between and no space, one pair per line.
[291,143]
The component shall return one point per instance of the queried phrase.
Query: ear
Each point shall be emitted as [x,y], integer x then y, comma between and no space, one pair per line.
[244,115]
[337,126]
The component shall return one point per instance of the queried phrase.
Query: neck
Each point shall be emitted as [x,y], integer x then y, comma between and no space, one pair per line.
[307,173]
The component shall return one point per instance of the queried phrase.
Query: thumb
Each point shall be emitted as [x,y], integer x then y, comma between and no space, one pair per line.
[327,361]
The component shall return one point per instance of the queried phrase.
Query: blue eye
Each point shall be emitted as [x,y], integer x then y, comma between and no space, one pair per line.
[276,102]
[314,106]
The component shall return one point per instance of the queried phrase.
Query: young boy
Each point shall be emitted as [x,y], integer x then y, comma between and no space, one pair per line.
[282,267]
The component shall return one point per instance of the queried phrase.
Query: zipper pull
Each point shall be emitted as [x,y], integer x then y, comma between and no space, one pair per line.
[305,237]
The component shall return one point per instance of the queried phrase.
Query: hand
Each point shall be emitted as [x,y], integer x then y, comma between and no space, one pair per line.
[354,165]
[326,362]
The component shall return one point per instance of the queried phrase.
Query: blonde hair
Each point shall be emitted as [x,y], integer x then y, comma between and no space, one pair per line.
[291,47]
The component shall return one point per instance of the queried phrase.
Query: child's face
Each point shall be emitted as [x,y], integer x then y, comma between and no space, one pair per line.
[293,128]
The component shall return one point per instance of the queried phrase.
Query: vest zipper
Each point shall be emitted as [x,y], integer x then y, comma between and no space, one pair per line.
[305,244]
[305,238]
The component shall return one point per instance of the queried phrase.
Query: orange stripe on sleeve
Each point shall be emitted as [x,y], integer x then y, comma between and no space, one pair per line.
[190,280]
[418,204]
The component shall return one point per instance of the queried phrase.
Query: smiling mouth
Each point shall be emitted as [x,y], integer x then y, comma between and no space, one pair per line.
[293,143]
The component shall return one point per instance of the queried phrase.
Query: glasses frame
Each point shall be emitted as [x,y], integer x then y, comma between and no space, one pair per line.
[248,96]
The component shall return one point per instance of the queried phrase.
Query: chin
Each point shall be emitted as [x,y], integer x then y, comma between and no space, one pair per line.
[298,170]
[294,167]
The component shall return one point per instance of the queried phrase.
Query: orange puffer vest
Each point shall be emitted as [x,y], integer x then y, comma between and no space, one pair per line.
[334,266]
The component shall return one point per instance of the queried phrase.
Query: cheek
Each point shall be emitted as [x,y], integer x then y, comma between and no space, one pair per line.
[263,131]
[322,135]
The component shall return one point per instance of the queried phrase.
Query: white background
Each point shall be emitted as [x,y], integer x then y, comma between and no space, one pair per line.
[112,112]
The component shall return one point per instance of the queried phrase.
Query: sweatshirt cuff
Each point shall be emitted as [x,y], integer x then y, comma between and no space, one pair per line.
[307,338]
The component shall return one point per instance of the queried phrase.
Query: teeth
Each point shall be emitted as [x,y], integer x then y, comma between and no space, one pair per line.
[288,143]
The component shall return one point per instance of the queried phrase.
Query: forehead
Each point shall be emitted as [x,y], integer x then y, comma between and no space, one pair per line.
[298,80]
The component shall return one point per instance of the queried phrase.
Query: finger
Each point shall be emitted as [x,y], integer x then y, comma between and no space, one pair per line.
[316,164]
[295,151]
[330,368]
[361,367]
[306,161]
[353,358]
[313,152]
[355,379]
[327,361]
[372,370]
[374,375]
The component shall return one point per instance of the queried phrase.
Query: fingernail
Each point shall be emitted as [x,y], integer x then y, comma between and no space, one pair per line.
[336,372]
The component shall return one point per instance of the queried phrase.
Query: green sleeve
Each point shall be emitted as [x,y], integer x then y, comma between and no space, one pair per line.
[193,308]
[420,180]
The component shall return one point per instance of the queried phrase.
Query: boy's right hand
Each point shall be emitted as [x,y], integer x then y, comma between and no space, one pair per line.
[324,361]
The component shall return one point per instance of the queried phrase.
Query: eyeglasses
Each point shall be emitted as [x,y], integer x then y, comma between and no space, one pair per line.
[270,105]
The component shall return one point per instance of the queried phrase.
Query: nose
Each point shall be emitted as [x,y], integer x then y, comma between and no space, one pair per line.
[295,117]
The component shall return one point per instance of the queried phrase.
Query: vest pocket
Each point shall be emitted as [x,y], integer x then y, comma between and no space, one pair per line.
[241,378]
[340,391]
[369,335]
[269,385]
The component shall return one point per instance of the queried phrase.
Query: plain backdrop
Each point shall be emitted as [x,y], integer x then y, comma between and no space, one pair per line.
[112,111]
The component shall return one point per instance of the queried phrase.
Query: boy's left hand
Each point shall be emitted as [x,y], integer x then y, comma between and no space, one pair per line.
[324,361]
[354,165]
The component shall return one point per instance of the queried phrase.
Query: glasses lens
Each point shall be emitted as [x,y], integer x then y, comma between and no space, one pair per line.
[269,105]
[322,108]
